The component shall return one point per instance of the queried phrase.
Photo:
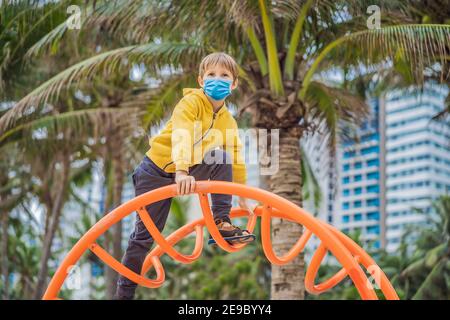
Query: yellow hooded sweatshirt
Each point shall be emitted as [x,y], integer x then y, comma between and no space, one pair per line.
[194,129]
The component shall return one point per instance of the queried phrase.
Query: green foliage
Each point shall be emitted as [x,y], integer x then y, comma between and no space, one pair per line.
[23,257]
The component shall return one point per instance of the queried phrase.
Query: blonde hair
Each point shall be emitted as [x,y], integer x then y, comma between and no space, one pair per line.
[223,60]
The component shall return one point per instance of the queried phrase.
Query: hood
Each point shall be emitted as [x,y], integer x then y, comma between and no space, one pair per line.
[199,92]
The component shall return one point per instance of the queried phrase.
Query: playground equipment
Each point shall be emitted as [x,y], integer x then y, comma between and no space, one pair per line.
[346,251]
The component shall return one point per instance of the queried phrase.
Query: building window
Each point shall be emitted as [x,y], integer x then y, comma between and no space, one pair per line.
[373,136]
[358,165]
[357,204]
[373,149]
[373,176]
[358,177]
[346,180]
[358,217]
[373,163]
[345,205]
[349,154]
[373,229]
[346,167]
[373,188]
[358,190]
[375,215]
[345,219]
[346,192]
[373,202]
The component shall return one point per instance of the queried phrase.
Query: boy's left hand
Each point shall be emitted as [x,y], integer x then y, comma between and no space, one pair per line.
[244,205]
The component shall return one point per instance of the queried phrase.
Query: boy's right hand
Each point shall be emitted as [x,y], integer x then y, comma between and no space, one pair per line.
[185,182]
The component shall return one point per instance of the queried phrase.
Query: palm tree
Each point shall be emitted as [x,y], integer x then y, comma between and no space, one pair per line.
[286,50]
[16,38]
[85,123]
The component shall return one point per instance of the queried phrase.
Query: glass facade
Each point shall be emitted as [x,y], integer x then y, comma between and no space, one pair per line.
[359,187]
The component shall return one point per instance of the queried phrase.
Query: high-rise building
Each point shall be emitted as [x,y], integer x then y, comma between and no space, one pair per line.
[358,205]
[317,155]
[417,157]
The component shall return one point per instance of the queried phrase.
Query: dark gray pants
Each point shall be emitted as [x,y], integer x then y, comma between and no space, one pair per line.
[148,176]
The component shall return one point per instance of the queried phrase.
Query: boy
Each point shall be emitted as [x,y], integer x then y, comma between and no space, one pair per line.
[170,159]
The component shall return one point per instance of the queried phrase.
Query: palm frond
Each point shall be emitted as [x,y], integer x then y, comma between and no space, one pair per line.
[295,39]
[444,114]
[434,286]
[47,41]
[113,16]
[133,20]
[333,107]
[275,79]
[258,50]
[156,55]
[287,9]
[165,97]
[21,22]
[244,13]
[311,187]
[141,21]
[45,18]
[80,122]
[421,46]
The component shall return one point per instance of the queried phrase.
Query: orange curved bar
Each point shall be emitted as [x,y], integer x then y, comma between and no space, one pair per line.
[267,243]
[371,266]
[313,268]
[346,251]
[120,268]
[184,231]
[158,237]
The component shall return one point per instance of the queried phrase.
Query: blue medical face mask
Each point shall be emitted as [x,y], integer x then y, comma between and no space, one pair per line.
[217,89]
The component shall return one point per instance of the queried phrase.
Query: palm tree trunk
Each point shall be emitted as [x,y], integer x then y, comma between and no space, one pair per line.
[55,215]
[108,201]
[27,289]
[287,280]
[114,177]
[117,183]
[47,194]
[4,255]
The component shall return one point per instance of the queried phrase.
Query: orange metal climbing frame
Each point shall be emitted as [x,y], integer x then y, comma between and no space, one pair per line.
[351,256]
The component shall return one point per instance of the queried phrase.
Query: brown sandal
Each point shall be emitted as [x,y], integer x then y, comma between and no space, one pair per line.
[231,233]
